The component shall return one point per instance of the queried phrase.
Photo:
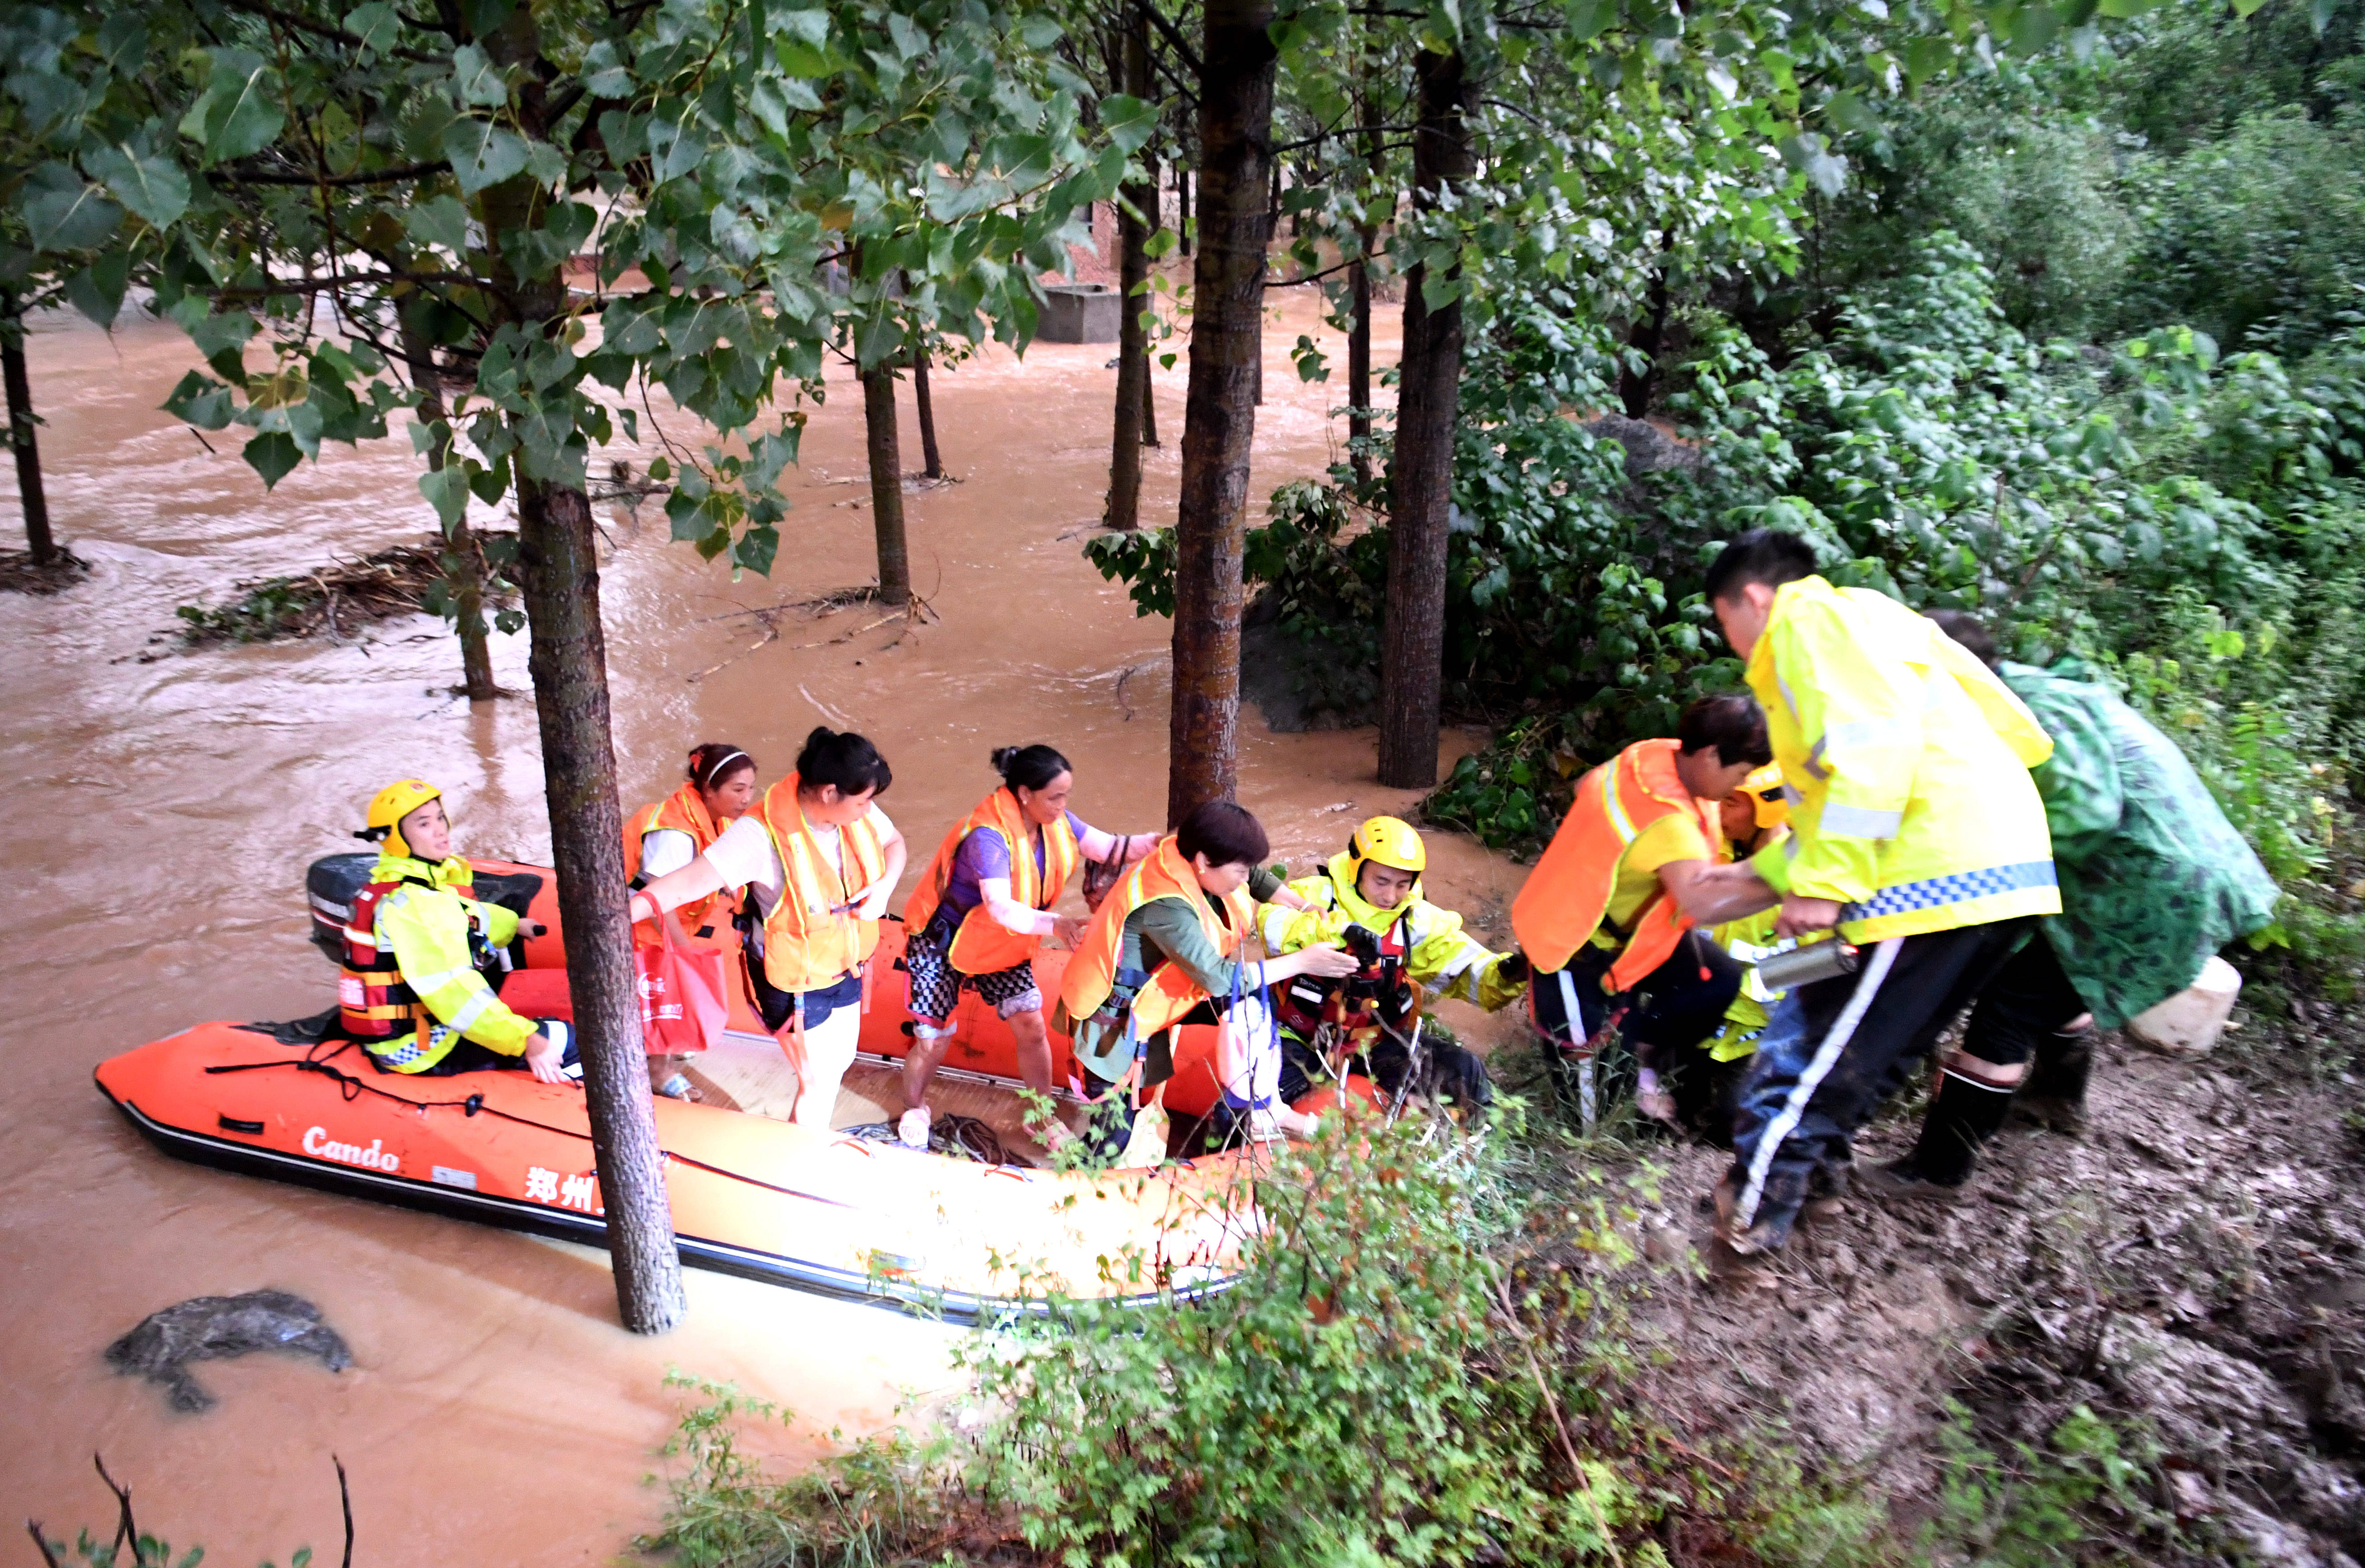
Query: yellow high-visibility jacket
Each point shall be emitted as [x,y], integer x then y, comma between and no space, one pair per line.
[429,931]
[1439,956]
[1906,762]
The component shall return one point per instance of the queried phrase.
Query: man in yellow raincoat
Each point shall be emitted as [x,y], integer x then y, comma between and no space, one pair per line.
[1410,950]
[1916,834]
[413,989]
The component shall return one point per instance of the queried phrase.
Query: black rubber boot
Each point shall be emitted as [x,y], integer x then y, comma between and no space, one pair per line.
[2054,1095]
[1963,1116]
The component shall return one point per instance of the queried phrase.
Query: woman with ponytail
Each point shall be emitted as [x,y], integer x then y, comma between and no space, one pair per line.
[818,858]
[716,790]
[983,908]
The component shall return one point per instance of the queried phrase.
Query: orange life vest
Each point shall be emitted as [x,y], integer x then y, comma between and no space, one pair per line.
[810,937]
[984,944]
[373,1002]
[1567,896]
[684,810]
[1170,991]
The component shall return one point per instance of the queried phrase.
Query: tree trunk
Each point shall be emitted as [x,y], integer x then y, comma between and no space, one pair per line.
[568,654]
[1420,478]
[1649,335]
[463,565]
[1183,205]
[886,487]
[560,576]
[1219,418]
[932,462]
[21,427]
[1359,335]
[1156,212]
[1124,509]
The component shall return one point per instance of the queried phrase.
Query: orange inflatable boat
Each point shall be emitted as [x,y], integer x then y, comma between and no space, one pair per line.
[971,1238]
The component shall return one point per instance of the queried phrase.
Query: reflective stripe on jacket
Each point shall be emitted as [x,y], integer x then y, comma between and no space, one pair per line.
[1906,763]
[1566,897]
[684,810]
[415,921]
[1168,991]
[984,944]
[811,937]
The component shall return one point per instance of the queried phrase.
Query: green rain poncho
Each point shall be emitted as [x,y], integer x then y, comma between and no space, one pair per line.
[2154,878]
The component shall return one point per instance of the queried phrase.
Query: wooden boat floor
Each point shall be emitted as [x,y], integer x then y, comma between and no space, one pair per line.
[757,1079]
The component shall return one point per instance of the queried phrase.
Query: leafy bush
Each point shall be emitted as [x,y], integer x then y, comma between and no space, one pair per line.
[1429,1357]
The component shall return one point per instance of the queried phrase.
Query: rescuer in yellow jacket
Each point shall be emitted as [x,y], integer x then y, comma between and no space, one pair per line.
[1410,950]
[417,948]
[1610,914]
[1915,833]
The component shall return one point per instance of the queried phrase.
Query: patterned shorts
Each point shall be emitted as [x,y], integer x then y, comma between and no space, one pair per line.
[935,984]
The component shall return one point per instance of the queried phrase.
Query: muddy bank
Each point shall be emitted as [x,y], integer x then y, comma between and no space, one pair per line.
[163,813]
[2192,1267]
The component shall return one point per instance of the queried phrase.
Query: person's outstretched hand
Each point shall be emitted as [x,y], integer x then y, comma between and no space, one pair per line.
[541,1057]
[1067,930]
[1802,915]
[1327,960]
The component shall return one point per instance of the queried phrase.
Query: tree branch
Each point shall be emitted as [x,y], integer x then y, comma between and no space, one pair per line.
[1173,37]
[321,30]
[370,177]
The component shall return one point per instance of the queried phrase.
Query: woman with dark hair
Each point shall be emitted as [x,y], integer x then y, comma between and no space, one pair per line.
[983,909]
[1162,950]
[818,858]
[716,791]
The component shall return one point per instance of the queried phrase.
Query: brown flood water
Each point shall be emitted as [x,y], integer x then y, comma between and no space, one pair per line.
[162,814]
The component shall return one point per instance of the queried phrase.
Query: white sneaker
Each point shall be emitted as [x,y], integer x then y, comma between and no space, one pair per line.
[911,1132]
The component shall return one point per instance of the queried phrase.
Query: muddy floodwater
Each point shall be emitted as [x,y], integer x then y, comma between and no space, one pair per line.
[161,812]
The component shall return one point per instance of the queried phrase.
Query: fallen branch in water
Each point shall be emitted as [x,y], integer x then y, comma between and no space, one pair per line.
[378,587]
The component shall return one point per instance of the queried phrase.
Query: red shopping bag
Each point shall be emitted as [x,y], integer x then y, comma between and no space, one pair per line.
[683,1002]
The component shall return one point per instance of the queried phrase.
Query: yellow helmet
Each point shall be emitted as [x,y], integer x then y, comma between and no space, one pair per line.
[1765,788]
[390,805]
[1391,842]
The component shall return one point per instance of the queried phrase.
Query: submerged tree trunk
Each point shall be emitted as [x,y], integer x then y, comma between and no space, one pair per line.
[1124,508]
[1420,478]
[569,659]
[463,565]
[21,438]
[1219,418]
[887,486]
[932,463]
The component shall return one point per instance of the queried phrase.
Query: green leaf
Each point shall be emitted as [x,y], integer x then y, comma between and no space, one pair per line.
[202,401]
[62,212]
[97,290]
[476,81]
[799,57]
[1926,57]
[377,25]
[446,490]
[239,113]
[155,190]
[439,221]
[482,153]
[1039,32]
[272,454]
[756,548]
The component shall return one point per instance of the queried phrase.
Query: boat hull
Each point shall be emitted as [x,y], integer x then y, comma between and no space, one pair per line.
[768,1199]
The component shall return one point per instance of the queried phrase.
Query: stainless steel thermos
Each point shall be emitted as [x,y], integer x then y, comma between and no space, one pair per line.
[1805,966]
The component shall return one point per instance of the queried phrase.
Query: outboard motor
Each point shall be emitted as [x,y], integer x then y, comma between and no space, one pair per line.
[330,882]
